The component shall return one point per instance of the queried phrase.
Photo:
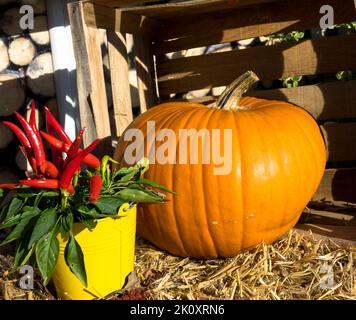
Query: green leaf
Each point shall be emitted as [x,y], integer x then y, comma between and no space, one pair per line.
[62,226]
[129,176]
[29,213]
[44,224]
[2,213]
[66,223]
[89,223]
[92,213]
[47,251]
[10,222]
[138,196]
[123,171]
[142,165]
[16,233]
[38,199]
[1,193]
[27,194]
[22,252]
[69,220]
[154,184]
[14,208]
[75,260]
[51,194]
[108,204]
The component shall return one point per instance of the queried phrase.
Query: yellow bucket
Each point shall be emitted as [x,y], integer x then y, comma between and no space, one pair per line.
[108,256]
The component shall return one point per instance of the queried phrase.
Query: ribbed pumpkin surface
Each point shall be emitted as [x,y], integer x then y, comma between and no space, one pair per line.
[278,159]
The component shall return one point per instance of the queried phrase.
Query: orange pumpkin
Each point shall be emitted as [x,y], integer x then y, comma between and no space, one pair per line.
[277,162]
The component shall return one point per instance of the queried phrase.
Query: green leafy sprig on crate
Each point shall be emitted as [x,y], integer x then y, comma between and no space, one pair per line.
[58,193]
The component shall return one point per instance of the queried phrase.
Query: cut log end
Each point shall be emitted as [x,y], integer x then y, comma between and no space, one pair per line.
[40,34]
[22,51]
[12,94]
[4,57]
[39,75]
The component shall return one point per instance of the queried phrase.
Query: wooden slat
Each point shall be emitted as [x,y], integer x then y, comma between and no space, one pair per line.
[339,137]
[334,100]
[119,72]
[338,217]
[345,235]
[324,55]
[90,75]
[249,22]
[78,29]
[115,20]
[98,90]
[333,207]
[122,3]
[337,185]
[328,101]
[145,73]
[182,9]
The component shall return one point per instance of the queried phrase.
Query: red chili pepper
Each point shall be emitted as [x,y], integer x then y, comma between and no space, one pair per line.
[8,185]
[33,123]
[54,142]
[90,160]
[49,170]
[54,124]
[75,147]
[95,188]
[49,183]
[36,143]
[74,165]
[57,156]
[25,143]
[33,115]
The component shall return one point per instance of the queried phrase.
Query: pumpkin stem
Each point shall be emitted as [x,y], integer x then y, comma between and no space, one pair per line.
[230,98]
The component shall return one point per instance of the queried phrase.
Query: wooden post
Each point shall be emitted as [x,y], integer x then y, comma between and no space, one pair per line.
[93,107]
[146,84]
[119,72]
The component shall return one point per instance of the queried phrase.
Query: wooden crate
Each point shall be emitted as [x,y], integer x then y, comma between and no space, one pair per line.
[161,29]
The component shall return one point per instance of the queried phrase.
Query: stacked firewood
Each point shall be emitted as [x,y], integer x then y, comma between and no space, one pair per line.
[26,73]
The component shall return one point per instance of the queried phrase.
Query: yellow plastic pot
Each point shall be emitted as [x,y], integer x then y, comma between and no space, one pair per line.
[108,256]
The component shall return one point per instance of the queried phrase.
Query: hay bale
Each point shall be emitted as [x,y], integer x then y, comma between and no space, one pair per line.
[294,268]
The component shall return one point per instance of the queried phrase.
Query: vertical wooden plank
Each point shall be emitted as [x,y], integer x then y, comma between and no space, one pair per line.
[75,13]
[98,91]
[146,78]
[93,105]
[119,72]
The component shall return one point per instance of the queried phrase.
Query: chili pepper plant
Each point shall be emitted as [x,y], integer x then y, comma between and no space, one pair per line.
[59,192]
